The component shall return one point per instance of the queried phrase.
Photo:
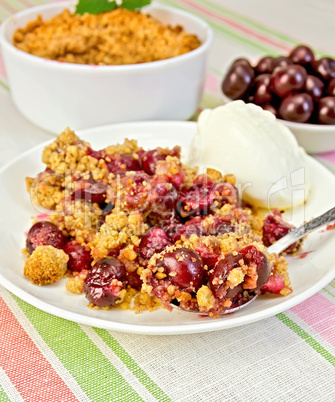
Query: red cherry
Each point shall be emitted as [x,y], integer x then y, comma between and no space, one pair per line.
[253,255]
[280,62]
[44,233]
[314,87]
[288,79]
[325,68]
[298,107]
[218,277]
[270,108]
[326,113]
[331,87]
[262,92]
[302,55]
[265,65]
[184,268]
[154,241]
[237,80]
[99,286]
[79,258]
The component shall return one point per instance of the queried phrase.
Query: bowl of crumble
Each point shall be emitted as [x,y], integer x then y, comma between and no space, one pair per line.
[66,69]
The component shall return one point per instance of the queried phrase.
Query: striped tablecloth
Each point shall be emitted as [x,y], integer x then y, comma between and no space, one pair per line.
[289,357]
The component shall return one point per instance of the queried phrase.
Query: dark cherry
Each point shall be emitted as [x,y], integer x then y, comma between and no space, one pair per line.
[119,163]
[193,226]
[209,254]
[153,242]
[237,80]
[162,197]
[204,196]
[297,107]
[265,65]
[288,79]
[281,61]
[302,55]
[44,233]
[196,199]
[270,108]
[314,87]
[325,68]
[184,268]
[134,280]
[243,61]
[114,252]
[253,255]
[331,87]
[94,193]
[327,110]
[218,277]
[79,257]
[150,158]
[274,284]
[274,228]
[96,154]
[98,286]
[262,93]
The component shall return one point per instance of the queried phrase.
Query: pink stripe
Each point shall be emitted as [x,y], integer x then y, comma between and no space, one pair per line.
[235,24]
[27,3]
[212,83]
[28,370]
[7,7]
[2,68]
[328,156]
[319,313]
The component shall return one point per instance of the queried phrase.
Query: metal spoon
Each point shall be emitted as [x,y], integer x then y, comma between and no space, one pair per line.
[282,244]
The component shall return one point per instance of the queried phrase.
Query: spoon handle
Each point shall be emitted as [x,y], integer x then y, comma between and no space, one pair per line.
[297,233]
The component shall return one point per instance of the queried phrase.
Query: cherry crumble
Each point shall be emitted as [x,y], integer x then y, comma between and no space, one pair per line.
[137,229]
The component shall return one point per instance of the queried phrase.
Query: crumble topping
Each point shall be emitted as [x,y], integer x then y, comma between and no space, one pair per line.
[116,37]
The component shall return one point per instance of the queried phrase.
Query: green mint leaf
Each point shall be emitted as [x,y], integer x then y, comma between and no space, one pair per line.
[134,4]
[95,6]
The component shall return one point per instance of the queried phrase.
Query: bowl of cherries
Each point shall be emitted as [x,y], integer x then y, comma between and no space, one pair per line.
[299,89]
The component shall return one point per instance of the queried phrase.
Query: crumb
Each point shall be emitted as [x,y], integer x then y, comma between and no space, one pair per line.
[46,265]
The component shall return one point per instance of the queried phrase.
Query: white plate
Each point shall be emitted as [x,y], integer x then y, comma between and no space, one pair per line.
[308,275]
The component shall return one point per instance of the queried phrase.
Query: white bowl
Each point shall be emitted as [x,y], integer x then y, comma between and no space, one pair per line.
[314,138]
[55,95]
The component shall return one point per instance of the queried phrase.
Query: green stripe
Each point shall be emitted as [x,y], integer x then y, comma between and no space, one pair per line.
[252,23]
[131,364]
[3,395]
[307,338]
[4,13]
[94,373]
[17,5]
[223,30]
[330,293]
[3,85]
[257,25]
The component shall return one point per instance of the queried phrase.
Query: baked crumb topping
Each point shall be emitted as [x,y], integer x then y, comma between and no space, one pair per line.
[116,37]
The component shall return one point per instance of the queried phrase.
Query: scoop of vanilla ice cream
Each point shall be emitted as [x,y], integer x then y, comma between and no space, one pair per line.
[271,169]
